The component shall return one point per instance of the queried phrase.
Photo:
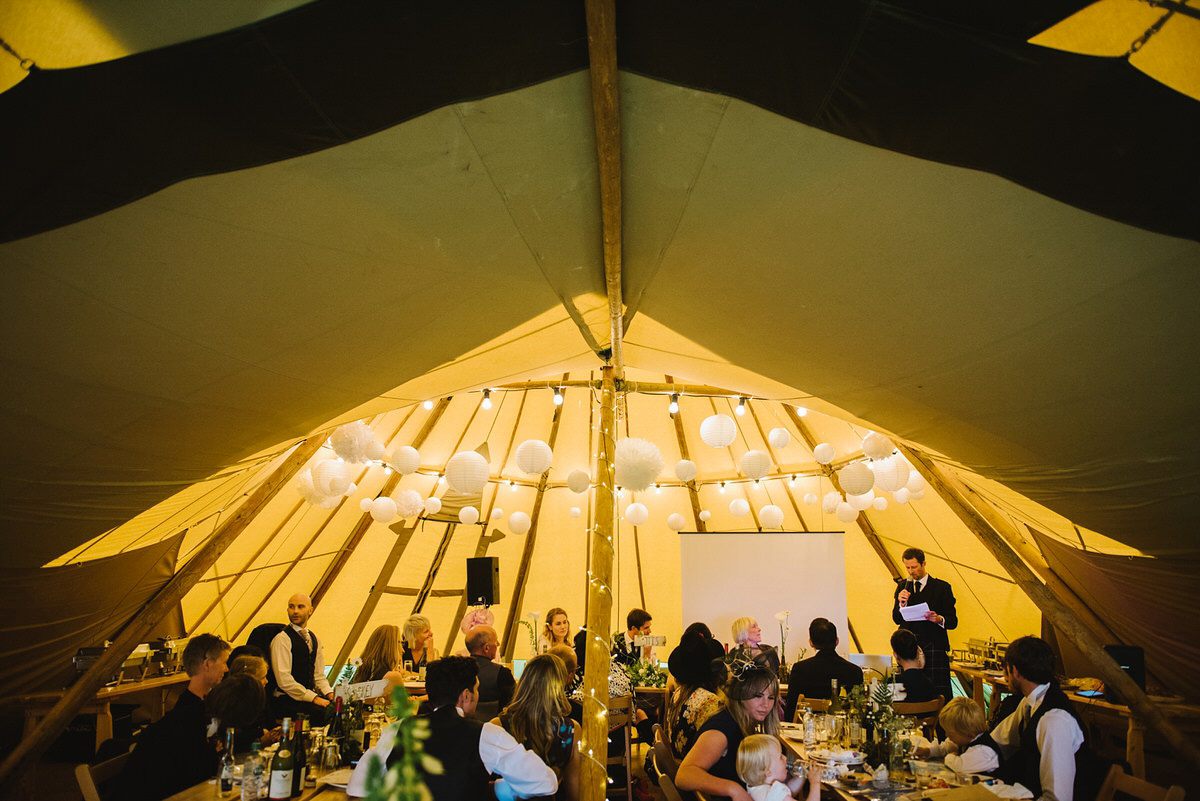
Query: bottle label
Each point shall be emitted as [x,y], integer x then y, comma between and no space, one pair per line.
[281,785]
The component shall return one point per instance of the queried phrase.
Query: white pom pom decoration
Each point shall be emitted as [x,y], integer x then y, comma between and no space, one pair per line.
[433,506]
[575,511]
[409,503]
[915,482]
[824,453]
[685,470]
[352,441]
[467,472]
[638,463]
[405,460]
[468,515]
[718,431]
[365,504]
[856,478]
[534,457]
[880,503]
[636,514]
[350,490]
[810,498]
[497,513]
[756,464]
[771,516]
[676,522]
[877,446]
[518,523]
[901,495]
[383,510]
[705,515]
[830,502]
[890,473]
[779,438]
[578,481]
[861,501]
[376,452]
[846,513]
[738,507]
[331,477]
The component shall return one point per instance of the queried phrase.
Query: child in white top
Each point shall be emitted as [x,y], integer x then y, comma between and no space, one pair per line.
[763,768]
[965,727]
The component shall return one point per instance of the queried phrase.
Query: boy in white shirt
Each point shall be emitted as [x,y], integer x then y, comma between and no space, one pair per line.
[968,747]
[763,768]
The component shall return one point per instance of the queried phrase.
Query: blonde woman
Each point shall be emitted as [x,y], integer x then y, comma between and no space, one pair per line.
[538,718]
[556,631]
[747,644]
[418,642]
[381,657]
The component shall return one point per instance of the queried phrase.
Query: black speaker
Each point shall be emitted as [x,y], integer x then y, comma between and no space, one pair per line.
[483,580]
[1132,660]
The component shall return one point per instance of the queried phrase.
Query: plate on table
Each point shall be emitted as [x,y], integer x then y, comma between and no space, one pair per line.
[337,778]
[841,756]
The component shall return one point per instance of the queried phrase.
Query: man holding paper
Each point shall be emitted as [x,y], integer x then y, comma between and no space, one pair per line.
[925,606]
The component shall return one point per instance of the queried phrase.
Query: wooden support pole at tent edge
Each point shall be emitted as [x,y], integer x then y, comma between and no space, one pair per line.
[594,776]
[1059,614]
[136,631]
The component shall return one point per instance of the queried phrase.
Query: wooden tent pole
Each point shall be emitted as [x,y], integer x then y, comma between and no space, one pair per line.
[143,623]
[684,453]
[595,681]
[787,489]
[1060,614]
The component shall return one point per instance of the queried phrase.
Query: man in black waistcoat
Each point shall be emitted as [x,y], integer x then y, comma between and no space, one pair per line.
[496,682]
[1042,740]
[920,588]
[811,677]
[468,750]
[298,665]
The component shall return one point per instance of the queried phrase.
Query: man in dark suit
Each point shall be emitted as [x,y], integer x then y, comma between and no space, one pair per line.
[811,677]
[931,636]
[496,682]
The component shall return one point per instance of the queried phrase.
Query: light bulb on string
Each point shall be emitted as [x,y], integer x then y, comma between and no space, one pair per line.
[722,488]
[674,407]
[487,399]
[801,411]
[558,398]
[741,407]
[427,405]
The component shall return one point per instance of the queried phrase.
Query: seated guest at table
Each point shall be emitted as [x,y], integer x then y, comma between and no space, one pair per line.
[747,644]
[698,668]
[380,658]
[557,630]
[811,677]
[495,680]
[298,665]
[237,703]
[968,748]
[710,767]
[917,686]
[538,719]
[418,642]
[637,624]
[470,750]
[178,751]
[567,654]
[266,726]
[763,768]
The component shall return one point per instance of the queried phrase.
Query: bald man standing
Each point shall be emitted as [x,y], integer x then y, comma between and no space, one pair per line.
[299,665]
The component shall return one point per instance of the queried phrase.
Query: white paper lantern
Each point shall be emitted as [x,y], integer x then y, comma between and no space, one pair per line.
[915,482]
[685,470]
[376,452]
[409,503]
[890,473]
[405,460]
[916,496]
[738,507]
[856,478]
[352,441]
[779,437]
[756,464]
[365,504]
[824,453]
[830,502]
[810,498]
[579,481]
[718,431]
[575,511]
[331,477]
[771,516]
[877,446]
[846,513]
[638,463]
[383,510]
[901,495]
[518,523]
[861,501]
[467,472]
[497,513]
[636,514]
[705,515]
[880,503]
[468,515]
[433,506]
[676,522]
[534,457]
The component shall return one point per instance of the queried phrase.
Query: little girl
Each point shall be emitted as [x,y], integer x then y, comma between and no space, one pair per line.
[763,768]
[968,747]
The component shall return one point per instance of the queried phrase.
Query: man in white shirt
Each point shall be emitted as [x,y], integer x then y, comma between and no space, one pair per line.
[1042,739]
[469,751]
[298,665]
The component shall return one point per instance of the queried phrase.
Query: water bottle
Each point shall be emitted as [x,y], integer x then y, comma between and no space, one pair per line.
[810,729]
[252,775]
[225,770]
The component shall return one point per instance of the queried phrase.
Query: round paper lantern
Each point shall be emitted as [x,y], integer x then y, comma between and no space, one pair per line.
[497,513]
[779,437]
[518,523]
[534,457]
[771,516]
[331,477]
[375,451]
[877,446]
[856,478]
[638,463]
[846,513]
[467,472]
[880,503]
[916,496]
[915,482]
[685,470]
[756,464]
[365,504]
[824,453]
[579,481]
[405,460]
[383,510]
[636,514]
[810,498]
[352,441]
[433,506]
[738,507]
[830,502]
[409,503]
[901,495]
[676,522]
[575,511]
[861,501]
[468,515]
[718,431]
[705,515]
[890,473]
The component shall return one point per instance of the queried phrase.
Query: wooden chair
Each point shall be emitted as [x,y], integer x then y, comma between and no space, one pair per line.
[926,713]
[620,713]
[92,778]
[664,757]
[672,793]
[1118,781]
[815,704]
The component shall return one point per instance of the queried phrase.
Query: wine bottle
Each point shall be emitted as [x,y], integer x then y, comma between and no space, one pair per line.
[282,765]
[835,699]
[225,771]
[299,755]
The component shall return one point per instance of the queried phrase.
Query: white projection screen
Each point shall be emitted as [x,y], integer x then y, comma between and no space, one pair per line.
[725,576]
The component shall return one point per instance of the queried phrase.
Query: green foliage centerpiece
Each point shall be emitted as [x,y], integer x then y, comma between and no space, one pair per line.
[402,781]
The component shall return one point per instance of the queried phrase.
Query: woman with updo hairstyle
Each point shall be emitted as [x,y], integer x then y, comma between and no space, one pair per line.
[418,642]
[556,631]
[539,719]
[747,644]
[710,767]
[698,669]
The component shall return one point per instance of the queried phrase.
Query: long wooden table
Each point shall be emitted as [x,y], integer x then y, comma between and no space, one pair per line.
[207,791]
